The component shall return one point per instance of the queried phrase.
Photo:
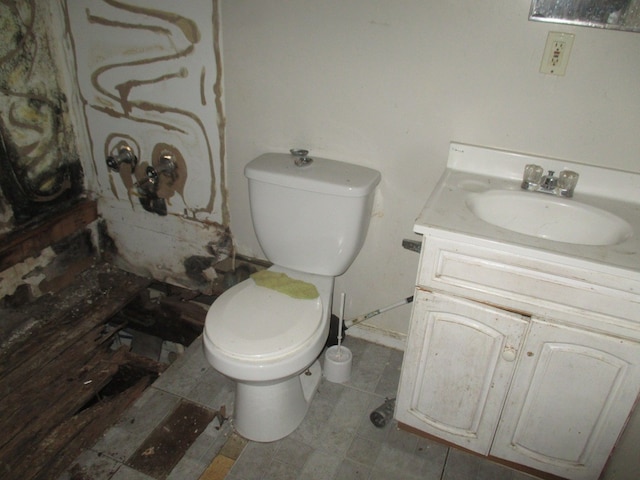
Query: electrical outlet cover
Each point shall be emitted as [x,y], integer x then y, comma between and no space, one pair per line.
[556,53]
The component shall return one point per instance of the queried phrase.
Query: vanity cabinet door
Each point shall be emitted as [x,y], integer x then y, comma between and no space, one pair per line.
[570,398]
[457,367]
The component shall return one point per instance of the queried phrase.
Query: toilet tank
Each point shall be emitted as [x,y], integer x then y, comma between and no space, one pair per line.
[311,218]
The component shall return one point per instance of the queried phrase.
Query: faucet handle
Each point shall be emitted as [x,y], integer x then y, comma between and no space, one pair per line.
[531,177]
[567,181]
[124,155]
[166,164]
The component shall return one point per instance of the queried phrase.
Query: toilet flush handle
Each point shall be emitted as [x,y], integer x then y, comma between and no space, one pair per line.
[302,158]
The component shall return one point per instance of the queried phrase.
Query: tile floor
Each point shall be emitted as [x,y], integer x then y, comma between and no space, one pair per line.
[335,441]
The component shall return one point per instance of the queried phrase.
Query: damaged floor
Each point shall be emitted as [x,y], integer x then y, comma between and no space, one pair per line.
[86,395]
[71,364]
[336,440]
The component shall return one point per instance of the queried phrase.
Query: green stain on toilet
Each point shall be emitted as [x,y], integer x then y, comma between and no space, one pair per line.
[283,283]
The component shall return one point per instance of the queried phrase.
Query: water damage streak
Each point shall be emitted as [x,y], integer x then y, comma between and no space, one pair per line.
[150,77]
[140,68]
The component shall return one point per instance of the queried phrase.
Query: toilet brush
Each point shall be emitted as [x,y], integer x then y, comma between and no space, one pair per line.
[341,322]
[337,359]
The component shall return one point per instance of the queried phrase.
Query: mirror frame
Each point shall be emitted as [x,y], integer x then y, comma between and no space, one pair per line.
[570,12]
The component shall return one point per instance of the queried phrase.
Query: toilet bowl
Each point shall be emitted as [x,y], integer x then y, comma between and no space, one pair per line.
[310,218]
[268,343]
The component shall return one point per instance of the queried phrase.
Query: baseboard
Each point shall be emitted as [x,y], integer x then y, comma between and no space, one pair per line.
[373,334]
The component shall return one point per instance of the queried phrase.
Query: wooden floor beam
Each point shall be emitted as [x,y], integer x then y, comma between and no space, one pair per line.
[16,247]
[52,373]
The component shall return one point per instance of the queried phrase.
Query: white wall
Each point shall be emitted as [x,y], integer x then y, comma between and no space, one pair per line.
[389,84]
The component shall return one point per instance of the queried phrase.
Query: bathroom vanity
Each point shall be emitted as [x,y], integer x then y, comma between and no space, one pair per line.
[524,342]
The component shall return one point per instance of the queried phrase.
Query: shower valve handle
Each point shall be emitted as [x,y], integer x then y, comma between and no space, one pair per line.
[166,164]
[124,155]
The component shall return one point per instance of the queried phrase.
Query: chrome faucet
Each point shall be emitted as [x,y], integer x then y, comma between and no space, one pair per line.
[562,185]
[549,182]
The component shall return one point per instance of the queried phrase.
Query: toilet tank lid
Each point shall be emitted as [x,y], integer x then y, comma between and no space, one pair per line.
[322,175]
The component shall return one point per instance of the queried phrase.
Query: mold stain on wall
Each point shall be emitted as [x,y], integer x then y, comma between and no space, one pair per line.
[38,157]
[41,177]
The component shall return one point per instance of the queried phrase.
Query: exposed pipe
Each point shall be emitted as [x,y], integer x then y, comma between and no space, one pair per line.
[362,318]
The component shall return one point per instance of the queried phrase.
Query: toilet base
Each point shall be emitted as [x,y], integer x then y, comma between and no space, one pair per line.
[269,412]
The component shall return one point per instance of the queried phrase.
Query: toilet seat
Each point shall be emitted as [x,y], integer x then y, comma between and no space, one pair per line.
[254,323]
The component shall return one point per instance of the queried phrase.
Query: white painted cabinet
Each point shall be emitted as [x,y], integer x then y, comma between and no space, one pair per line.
[457,369]
[550,392]
[570,398]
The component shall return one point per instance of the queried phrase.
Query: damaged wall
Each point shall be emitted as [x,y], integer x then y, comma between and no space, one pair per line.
[38,157]
[40,172]
[149,76]
[80,80]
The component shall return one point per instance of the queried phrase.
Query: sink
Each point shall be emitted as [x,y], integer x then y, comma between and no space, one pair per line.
[548,217]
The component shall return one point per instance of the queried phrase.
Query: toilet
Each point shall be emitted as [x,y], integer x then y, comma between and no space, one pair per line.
[311,219]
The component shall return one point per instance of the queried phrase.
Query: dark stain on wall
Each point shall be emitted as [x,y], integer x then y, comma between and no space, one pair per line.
[38,157]
[73,255]
[222,247]
[154,204]
[195,265]
[25,193]
[106,244]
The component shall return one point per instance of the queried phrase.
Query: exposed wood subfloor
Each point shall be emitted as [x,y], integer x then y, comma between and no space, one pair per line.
[55,358]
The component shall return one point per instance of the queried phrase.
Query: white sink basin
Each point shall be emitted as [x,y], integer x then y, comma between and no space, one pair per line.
[549,217]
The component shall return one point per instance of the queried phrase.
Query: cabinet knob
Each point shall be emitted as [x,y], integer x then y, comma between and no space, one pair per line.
[509,354]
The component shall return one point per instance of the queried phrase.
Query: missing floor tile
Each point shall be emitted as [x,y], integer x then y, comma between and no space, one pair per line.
[168,443]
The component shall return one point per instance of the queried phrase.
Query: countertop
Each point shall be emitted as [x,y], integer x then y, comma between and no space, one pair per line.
[477,169]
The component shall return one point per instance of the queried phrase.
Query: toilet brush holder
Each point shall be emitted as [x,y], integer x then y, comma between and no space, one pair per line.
[337,364]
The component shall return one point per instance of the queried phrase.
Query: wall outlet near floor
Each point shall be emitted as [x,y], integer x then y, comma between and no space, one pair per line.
[556,53]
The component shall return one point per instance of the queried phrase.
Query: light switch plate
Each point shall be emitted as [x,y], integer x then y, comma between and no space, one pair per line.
[556,53]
